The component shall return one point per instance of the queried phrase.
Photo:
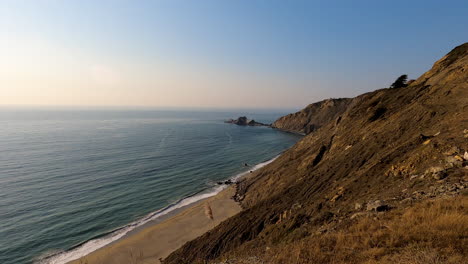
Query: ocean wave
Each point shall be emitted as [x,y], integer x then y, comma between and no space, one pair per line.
[85,248]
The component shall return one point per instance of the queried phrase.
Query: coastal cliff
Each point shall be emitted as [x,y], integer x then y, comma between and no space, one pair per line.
[364,185]
[313,116]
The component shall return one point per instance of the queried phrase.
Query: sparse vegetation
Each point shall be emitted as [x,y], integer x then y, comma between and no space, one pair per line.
[430,232]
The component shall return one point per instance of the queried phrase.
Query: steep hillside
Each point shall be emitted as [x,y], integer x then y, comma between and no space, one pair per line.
[384,151]
[313,116]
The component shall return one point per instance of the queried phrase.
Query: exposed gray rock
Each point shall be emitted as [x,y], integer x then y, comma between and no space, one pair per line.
[377,206]
[436,172]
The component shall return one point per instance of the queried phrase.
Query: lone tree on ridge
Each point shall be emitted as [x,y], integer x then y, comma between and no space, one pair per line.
[400,82]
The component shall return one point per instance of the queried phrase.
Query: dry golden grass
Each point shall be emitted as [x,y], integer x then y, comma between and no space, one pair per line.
[431,232]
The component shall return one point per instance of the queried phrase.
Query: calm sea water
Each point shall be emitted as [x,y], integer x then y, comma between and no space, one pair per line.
[70,176]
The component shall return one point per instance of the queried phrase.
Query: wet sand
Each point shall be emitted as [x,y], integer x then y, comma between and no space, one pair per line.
[159,238]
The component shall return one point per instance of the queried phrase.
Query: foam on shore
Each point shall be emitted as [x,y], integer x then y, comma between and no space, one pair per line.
[96,243]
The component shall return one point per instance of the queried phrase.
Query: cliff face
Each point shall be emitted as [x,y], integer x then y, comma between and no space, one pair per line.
[381,150]
[313,116]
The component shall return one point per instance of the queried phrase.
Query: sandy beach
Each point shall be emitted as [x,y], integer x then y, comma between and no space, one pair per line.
[158,239]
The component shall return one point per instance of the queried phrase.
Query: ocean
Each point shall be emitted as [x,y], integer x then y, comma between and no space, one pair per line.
[72,181]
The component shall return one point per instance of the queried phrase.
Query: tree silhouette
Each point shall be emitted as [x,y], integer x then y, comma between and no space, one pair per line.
[400,82]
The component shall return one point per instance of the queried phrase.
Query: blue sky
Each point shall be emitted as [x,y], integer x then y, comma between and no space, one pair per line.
[254,54]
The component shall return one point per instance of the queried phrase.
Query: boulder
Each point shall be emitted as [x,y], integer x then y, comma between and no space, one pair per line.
[227,182]
[436,172]
[377,206]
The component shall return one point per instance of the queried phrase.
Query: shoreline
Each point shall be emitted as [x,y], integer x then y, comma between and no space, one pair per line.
[143,244]
[159,217]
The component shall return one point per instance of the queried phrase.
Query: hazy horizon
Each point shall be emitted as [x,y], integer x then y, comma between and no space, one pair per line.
[215,54]
[148,108]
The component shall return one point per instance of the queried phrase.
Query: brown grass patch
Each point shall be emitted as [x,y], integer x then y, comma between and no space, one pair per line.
[431,232]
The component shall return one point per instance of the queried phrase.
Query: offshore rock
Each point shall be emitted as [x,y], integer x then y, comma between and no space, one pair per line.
[243,121]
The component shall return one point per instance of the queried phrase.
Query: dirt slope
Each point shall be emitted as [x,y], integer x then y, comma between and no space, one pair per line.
[396,146]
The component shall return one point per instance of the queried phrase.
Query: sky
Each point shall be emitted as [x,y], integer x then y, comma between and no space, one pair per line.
[216,53]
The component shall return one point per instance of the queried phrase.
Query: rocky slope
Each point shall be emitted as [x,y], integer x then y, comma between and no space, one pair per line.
[377,152]
[313,116]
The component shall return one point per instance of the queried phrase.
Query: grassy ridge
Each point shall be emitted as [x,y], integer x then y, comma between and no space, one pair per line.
[429,232]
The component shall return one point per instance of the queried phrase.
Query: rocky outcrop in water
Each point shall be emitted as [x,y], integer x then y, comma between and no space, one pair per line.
[243,121]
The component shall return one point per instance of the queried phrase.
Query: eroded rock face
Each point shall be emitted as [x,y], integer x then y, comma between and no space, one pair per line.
[313,116]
